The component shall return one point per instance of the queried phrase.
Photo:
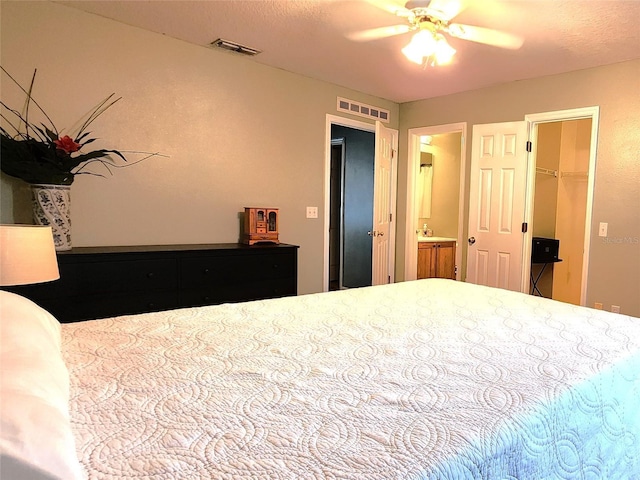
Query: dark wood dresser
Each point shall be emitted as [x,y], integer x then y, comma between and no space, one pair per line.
[99,282]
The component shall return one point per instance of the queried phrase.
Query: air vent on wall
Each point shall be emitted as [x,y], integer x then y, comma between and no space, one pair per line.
[235,47]
[362,110]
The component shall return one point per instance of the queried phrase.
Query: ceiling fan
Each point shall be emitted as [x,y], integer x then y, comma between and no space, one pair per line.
[431,20]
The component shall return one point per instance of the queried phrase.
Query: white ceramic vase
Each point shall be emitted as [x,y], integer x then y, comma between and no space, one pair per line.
[51,206]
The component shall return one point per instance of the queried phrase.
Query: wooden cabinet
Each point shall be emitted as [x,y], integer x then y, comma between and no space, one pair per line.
[260,225]
[99,282]
[437,260]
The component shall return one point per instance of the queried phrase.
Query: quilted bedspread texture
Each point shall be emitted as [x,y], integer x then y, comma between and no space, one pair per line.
[432,379]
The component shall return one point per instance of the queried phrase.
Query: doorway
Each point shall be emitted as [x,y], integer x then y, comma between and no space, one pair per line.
[560,198]
[379,230]
[351,207]
[448,154]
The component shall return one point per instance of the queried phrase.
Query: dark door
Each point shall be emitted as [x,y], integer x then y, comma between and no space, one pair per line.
[357,204]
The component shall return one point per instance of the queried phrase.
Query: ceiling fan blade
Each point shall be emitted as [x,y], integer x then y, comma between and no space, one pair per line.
[485,35]
[376,33]
[447,9]
[395,7]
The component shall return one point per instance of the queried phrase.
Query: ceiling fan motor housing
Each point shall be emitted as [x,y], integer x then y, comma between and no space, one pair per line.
[427,22]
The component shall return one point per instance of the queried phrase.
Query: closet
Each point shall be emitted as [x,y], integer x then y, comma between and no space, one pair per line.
[560,202]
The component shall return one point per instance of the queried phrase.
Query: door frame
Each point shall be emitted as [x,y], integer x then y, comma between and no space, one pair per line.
[413,163]
[533,120]
[341,143]
[367,127]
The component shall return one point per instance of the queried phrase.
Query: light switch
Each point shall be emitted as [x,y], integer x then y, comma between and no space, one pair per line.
[602,231]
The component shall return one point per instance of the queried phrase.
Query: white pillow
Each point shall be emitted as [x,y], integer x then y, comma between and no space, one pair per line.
[36,440]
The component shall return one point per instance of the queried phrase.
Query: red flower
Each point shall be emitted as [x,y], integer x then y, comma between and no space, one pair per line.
[67,145]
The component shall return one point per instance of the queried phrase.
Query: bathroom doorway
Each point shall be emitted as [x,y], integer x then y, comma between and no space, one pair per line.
[435,190]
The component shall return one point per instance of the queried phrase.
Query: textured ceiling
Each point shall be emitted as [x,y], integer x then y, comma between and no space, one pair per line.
[309,37]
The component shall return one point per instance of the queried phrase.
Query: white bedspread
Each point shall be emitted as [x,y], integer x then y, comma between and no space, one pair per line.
[431,379]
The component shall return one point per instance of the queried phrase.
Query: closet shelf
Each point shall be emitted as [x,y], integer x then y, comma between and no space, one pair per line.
[576,175]
[554,173]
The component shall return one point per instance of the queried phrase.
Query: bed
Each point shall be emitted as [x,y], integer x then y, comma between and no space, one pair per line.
[429,379]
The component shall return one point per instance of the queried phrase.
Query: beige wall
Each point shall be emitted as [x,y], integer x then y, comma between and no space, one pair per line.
[237,133]
[614,262]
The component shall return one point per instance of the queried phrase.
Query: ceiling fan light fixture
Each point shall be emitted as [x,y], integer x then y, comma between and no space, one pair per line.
[422,45]
[427,47]
[444,52]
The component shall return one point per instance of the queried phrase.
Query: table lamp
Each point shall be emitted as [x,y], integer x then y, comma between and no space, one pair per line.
[27,255]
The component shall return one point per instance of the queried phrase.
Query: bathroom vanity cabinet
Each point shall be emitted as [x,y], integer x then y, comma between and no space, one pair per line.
[437,259]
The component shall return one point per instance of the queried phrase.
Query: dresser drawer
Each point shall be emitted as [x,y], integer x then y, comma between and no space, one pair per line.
[116,276]
[213,270]
[90,307]
[238,292]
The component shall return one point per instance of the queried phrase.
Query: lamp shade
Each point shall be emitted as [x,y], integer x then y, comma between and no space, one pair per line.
[429,47]
[27,255]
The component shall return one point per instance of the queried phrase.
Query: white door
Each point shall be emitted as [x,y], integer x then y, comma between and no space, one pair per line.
[497,205]
[382,233]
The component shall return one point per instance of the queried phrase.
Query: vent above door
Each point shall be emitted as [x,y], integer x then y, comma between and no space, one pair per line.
[362,110]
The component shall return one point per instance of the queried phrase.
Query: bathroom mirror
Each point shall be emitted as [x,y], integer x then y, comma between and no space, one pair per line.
[425,184]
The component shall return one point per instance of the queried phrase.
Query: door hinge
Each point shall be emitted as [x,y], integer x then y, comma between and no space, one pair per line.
[391,217]
[388,278]
[525,227]
[529,146]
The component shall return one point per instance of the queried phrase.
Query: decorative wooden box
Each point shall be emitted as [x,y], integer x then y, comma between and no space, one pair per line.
[260,225]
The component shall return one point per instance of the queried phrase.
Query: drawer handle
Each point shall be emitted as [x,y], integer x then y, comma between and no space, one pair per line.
[150,275]
[205,271]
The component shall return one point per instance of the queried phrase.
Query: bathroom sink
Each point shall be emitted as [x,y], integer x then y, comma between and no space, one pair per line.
[422,238]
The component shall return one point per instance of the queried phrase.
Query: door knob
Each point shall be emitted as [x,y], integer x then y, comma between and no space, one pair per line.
[380,234]
[371,234]
[472,240]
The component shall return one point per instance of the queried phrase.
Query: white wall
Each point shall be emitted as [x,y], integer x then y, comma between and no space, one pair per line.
[237,133]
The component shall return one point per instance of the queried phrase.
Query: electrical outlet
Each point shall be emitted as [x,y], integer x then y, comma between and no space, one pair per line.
[598,306]
[615,308]
[602,231]
[312,212]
